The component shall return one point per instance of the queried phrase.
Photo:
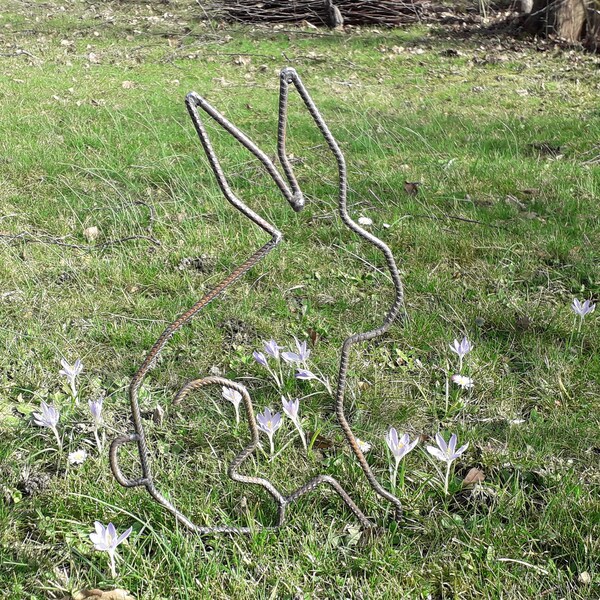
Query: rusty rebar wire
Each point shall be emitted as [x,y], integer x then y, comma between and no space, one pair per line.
[290,190]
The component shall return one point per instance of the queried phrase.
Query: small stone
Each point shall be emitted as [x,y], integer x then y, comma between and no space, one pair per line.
[584,578]
[91,233]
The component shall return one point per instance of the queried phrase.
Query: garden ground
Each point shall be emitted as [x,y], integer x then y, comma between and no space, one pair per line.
[500,236]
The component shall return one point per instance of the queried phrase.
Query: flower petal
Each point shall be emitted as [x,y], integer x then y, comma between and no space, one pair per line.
[461,450]
[291,357]
[441,442]
[124,536]
[452,444]
[436,452]
[111,533]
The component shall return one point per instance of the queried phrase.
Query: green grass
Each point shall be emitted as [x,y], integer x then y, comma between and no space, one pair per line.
[77,149]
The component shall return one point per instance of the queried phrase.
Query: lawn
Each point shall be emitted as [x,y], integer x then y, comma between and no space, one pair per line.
[498,238]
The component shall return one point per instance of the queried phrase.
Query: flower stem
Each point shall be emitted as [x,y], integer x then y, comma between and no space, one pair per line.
[447,477]
[98,443]
[58,440]
[302,436]
[394,475]
[402,472]
[272,445]
[113,570]
[74,392]
[237,414]
[274,376]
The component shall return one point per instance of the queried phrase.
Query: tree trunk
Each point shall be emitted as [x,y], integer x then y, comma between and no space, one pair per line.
[564,18]
[526,7]
[592,28]
[569,19]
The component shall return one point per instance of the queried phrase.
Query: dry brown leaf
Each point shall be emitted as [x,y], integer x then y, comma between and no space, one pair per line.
[474,476]
[320,442]
[412,187]
[158,414]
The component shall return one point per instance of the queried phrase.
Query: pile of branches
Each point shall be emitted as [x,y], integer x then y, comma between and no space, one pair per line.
[354,12]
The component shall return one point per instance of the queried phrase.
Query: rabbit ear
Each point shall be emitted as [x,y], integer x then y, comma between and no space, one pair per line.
[289,76]
[193,102]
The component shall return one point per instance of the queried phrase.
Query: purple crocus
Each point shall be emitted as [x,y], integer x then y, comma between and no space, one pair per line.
[106,539]
[291,408]
[260,358]
[96,410]
[399,446]
[447,453]
[461,348]
[583,308]
[235,398]
[48,418]
[71,372]
[305,375]
[297,357]
[269,423]
[272,349]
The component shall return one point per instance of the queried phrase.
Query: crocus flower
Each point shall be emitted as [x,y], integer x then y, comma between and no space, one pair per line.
[462,381]
[260,358]
[461,348]
[583,308]
[364,446]
[71,373]
[235,398]
[269,423]
[272,349]
[446,452]
[305,375]
[297,357]
[399,447]
[105,539]
[291,408]
[78,457]
[48,418]
[96,410]
[365,221]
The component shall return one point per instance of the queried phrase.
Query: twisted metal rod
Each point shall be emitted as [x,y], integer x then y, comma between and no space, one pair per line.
[290,76]
[292,193]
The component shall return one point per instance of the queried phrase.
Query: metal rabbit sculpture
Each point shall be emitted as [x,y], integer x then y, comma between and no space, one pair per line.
[288,186]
